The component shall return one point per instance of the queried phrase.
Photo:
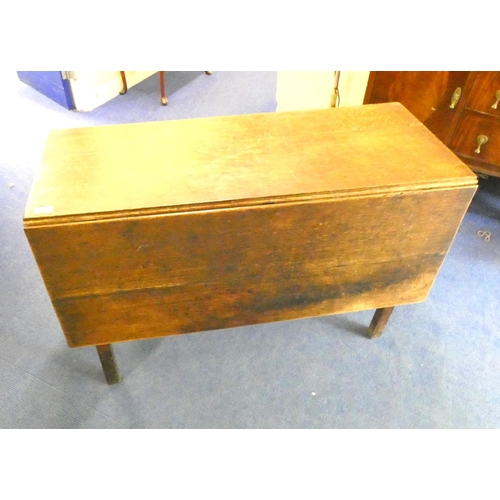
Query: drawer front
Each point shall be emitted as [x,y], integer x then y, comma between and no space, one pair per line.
[471,127]
[428,95]
[485,94]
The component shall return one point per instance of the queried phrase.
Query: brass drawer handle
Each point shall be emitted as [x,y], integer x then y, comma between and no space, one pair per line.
[456,97]
[497,97]
[481,139]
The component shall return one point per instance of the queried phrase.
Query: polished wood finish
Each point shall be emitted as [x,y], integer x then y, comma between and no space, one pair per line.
[469,129]
[107,357]
[379,321]
[163,99]
[124,83]
[482,98]
[155,229]
[428,95]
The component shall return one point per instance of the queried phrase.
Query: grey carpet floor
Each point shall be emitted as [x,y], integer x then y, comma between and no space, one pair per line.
[436,366]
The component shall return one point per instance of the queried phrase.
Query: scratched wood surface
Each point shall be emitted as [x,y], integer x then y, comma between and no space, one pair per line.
[351,209]
[152,276]
[174,165]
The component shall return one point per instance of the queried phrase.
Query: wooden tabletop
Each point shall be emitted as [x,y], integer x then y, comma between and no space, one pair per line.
[238,160]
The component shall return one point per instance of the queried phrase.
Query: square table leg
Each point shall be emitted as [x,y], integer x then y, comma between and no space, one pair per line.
[380,319]
[108,362]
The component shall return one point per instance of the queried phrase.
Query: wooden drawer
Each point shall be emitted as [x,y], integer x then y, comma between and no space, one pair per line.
[428,95]
[465,141]
[486,93]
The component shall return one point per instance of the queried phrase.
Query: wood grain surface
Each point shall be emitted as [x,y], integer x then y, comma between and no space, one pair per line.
[426,94]
[465,139]
[156,229]
[149,276]
[483,95]
[235,160]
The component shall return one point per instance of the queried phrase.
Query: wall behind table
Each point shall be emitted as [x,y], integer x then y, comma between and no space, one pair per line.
[297,90]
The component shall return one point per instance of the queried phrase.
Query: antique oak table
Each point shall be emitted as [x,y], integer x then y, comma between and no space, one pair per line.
[154,229]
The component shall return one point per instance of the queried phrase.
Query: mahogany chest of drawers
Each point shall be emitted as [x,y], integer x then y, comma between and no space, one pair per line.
[462,108]
[154,229]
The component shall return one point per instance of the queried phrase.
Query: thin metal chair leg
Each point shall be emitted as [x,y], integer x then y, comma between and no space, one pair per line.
[108,363]
[164,99]
[380,319]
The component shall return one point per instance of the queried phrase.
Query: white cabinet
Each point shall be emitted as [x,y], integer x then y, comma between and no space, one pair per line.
[90,89]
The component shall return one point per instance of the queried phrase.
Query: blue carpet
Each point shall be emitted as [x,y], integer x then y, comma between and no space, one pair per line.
[436,366]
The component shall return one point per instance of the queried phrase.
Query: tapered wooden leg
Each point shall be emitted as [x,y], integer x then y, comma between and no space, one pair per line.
[108,363]
[164,99]
[380,319]
[208,72]
[124,83]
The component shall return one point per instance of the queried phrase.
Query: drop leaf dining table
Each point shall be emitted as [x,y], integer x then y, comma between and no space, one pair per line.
[180,226]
